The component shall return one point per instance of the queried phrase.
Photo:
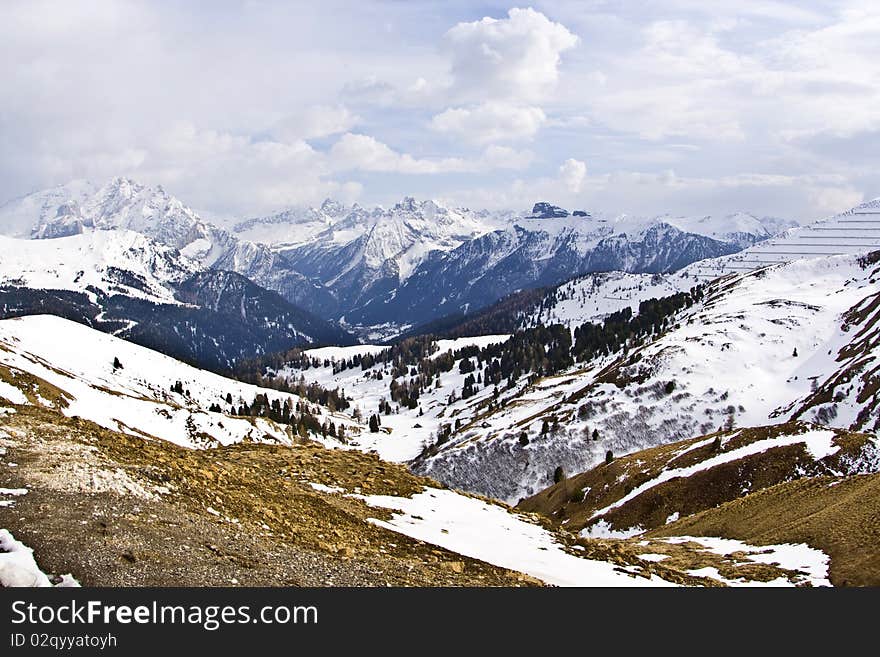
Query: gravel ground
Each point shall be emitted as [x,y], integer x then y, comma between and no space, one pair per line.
[114,510]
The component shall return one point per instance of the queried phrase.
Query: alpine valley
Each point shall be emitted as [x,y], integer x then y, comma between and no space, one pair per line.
[427,394]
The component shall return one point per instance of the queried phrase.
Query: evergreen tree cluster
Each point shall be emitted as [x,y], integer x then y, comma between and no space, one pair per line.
[259,372]
[621,328]
[299,415]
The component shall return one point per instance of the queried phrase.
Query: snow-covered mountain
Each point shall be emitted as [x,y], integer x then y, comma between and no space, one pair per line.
[408,264]
[787,342]
[420,260]
[47,361]
[293,225]
[790,342]
[740,228]
[527,254]
[123,204]
[127,284]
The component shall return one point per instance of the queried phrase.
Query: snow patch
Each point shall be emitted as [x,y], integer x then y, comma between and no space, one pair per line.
[811,562]
[326,489]
[491,533]
[603,529]
[12,394]
[18,568]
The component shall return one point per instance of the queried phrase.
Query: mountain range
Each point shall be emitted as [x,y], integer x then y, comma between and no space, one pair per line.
[134,287]
[377,271]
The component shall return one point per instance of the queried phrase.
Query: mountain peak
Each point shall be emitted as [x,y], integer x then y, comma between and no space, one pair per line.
[408,204]
[332,207]
[544,210]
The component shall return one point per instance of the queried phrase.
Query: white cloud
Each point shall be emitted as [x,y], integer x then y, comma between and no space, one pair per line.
[366,153]
[572,173]
[514,58]
[314,121]
[504,157]
[218,170]
[128,87]
[711,81]
[490,122]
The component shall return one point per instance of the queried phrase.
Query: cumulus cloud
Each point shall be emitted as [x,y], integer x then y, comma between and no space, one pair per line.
[572,173]
[509,58]
[489,122]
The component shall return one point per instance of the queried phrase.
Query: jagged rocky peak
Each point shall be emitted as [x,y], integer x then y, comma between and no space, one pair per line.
[408,204]
[333,208]
[580,213]
[544,210]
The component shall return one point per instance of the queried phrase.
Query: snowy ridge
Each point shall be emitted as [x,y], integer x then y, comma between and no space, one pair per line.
[819,443]
[114,262]
[135,398]
[856,231]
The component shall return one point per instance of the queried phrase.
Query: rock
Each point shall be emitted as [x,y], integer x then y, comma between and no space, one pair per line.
[545,210]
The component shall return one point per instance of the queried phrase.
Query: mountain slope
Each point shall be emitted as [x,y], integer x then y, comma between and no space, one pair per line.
[792,484]
[123,204]
[50,362]
[653,487]
[754,351]
[834,515]
[100,489]
[122,282]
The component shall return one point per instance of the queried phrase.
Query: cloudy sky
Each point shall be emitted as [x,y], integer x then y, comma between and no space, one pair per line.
[679,106]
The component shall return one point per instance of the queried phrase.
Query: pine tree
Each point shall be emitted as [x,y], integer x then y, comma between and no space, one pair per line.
[558,474]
